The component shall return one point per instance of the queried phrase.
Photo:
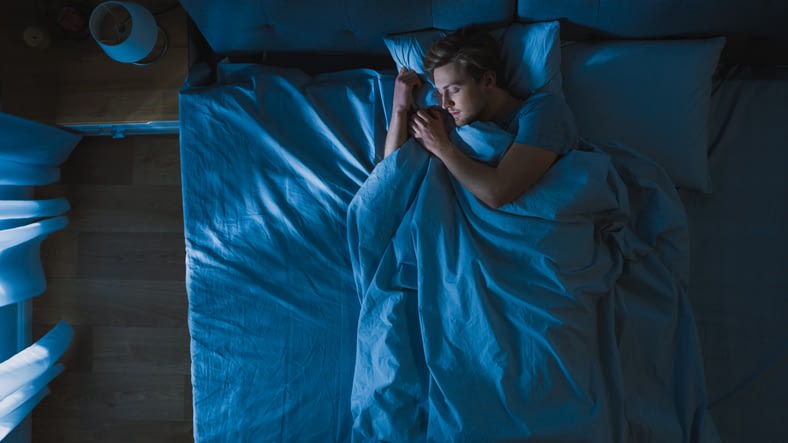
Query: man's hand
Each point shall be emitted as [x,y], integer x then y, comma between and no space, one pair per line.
[429,129]
[407,81]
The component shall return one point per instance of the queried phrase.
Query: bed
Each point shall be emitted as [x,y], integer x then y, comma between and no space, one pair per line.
[635,294]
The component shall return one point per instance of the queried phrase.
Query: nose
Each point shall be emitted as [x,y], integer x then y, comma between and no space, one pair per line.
[445,102]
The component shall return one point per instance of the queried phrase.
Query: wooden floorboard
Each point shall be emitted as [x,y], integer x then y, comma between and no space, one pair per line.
[74,82]
[131,255]
[113,302]
[116,274]
[64,430]
[59,254]
[97,162]
[134,350]
[103,396]
[118,208]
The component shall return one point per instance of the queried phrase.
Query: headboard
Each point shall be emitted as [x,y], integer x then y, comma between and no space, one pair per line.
[762,19]
[349,26]
[755,29]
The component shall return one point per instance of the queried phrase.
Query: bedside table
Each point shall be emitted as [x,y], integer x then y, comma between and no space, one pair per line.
[75,85]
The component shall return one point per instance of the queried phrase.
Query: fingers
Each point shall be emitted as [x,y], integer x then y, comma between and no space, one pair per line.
[421,120]
[426,115]
[409,77]
[420,123]
[418,120]
[435,111]
[406,71]
[416,124]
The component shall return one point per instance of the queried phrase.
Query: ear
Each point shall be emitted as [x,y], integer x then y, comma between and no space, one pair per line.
[488,79]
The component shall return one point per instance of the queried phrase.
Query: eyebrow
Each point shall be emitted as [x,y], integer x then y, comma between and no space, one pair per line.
[448,86]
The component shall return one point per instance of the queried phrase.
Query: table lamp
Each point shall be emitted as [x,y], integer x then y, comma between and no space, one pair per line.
[127,32]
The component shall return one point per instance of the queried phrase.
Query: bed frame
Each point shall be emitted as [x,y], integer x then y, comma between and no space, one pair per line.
[755,31]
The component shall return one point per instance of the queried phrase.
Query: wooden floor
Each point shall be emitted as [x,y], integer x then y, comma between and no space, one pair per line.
[73,82]
[117,275]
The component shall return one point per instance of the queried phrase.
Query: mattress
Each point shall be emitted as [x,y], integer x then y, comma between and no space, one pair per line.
[272,307]
[739,248]
[273,310]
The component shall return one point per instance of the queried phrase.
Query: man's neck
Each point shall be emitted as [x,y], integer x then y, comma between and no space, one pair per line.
[500,104]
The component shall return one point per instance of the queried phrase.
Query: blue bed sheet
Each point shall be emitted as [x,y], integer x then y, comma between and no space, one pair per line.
[270,161]
[575,295]
[739,245]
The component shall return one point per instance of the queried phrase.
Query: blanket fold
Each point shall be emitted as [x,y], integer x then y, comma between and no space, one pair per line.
[560,316]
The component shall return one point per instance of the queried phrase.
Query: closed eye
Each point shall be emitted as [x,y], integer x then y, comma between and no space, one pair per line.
[437,94]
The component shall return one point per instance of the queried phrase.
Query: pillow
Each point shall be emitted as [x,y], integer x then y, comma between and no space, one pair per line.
[530,54]
[653,96]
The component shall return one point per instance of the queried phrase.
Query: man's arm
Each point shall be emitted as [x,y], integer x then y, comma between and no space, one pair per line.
[520,168]
[407,81]
[398,131]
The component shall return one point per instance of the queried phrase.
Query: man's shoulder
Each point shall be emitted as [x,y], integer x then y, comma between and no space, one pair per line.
[544,98]
[543,102]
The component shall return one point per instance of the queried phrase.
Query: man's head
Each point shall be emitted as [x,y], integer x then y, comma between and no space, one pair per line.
[464,67]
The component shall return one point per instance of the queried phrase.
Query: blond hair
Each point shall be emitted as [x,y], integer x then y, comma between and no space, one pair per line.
[471,47]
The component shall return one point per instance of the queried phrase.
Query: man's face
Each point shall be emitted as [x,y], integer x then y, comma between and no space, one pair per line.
[459,93]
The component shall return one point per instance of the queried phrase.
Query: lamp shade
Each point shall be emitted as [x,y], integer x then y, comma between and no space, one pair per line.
[126,31]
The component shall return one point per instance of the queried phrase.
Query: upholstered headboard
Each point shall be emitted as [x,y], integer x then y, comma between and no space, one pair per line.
[761,19]
[331,25]
[756,29]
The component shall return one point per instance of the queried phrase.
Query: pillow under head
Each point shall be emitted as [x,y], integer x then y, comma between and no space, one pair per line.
[530,56]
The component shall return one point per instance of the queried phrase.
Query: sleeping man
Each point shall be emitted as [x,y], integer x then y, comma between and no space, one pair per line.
[464,66]
[496,308]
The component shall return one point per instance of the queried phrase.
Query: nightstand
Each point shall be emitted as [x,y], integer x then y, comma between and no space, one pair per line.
[73,84]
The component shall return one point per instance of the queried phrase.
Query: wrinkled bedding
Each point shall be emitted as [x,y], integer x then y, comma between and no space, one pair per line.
[332,297]
[561,316]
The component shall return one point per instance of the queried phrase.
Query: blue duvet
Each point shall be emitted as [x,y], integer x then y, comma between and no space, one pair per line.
[559,317]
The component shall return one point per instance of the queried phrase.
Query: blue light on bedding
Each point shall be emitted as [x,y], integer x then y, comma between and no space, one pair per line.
[561,316]
[269,165]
